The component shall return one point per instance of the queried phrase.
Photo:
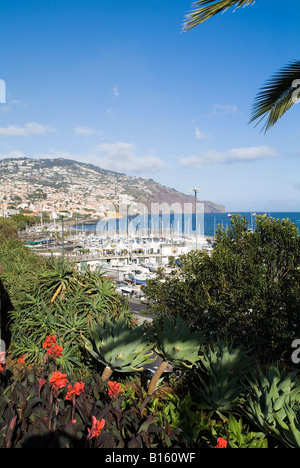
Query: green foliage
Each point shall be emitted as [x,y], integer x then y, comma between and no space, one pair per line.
[219,381]
[247,289]
[277,95]
[119,346]
[24,221]
[206,9]
[32,415]
[50,297]
[239,435]
[200,429]
[272,402]
[176,343]
[8,229]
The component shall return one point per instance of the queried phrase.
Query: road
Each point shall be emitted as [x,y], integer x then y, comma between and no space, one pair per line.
[138,307]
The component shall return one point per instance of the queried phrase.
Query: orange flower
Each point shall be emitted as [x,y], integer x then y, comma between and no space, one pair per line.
[221,443]
[95,431]
[58,380]
[114,390]
[55,351]
[50,340]
[75,390]
[21,359]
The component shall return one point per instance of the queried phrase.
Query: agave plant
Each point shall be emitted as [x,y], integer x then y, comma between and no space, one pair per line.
[219,382]
[177,345]
[119,347]
[272,402]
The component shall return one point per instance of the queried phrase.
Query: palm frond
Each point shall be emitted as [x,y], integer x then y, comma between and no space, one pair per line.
[206,9]
[277,96]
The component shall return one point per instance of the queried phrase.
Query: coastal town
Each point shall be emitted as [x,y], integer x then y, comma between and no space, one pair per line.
[32,188]
[75,190]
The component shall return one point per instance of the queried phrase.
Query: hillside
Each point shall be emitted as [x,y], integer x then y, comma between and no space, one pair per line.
[75,187]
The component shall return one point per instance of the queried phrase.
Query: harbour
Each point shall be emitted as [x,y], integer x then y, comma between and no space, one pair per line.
[129,253]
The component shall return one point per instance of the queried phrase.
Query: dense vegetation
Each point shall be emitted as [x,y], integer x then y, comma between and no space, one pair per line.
[246,290]
[73,374]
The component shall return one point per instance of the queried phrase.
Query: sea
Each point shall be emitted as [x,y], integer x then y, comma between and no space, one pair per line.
[172,224]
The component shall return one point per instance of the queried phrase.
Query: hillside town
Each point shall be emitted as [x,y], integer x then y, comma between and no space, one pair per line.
[60,186]
[32,188]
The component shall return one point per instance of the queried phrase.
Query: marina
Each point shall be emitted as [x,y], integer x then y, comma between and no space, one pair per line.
[132,260]
[130,257]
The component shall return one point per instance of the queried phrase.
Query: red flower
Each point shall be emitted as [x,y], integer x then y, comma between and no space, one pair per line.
[50,340]
[1,368]
[75,390]
[221,443]
[21,359]
[95,431]
[114,390]
[58,380]
[55,351]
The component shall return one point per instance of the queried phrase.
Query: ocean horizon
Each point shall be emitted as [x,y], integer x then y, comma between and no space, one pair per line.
[185,223]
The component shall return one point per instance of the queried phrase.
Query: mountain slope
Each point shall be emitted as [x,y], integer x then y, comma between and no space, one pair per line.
[67,185]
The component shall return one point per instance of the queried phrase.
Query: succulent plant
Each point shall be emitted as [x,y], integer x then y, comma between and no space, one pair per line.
[222,368]
[177,345]
[272,402]
[119,347]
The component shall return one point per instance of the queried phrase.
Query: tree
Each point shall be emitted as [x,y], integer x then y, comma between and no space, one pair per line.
[8,229]
[280,92]
[247,290]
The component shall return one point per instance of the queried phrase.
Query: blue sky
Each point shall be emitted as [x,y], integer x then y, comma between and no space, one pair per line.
[117,84]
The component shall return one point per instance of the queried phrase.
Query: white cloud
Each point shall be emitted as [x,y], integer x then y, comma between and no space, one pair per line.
[122,157]
[32,128]
[200,135]
[116,92]
[110,113]
[255,153]
[13,154]
[8,107]
[86,131]
[38,129]
[13,131]
[116,157]
[223,109]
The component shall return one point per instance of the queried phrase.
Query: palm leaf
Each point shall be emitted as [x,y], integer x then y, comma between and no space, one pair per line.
[277,96]
[206,9]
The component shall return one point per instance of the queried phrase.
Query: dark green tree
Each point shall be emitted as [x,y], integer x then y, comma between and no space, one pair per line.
[8,229]
[247,290]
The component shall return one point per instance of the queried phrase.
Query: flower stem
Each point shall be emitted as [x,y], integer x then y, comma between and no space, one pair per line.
[161,369]
[106,373]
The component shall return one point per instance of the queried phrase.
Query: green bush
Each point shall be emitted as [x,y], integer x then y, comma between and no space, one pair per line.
[51,297]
